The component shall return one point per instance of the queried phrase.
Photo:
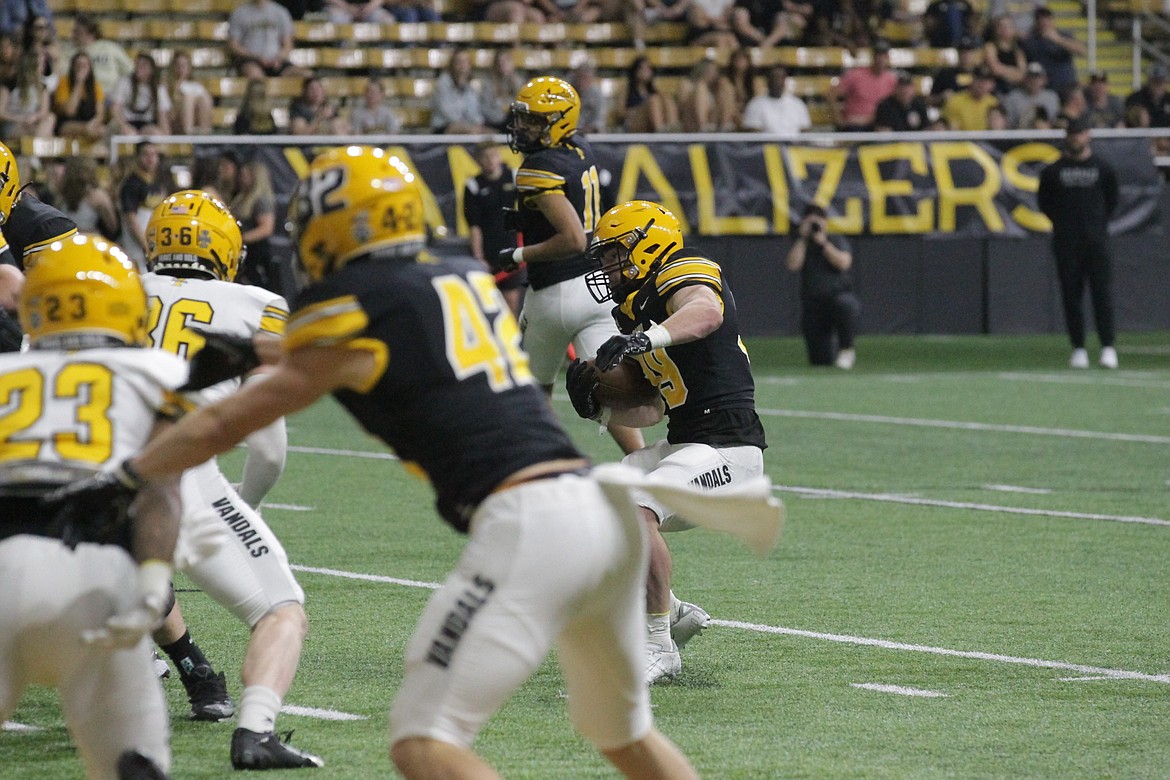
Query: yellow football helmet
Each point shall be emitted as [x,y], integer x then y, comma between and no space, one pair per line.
[81,292]
[9,182]
[544,113]
[631,240]
[191,233]
[354,201]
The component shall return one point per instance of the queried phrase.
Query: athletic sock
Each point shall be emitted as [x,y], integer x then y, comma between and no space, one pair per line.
[258,708]
[674,605]
[659,629]
[186,655]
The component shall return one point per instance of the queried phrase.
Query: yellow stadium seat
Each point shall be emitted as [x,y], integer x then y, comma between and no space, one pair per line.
[490,32]
[144,6]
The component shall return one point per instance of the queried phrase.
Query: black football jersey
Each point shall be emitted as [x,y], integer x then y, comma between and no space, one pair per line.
[455,397]
[707,384]
[32,226]
[567,169]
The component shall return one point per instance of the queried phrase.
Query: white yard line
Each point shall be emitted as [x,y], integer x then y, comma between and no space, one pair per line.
[287,507]
[1018,489]
[345,453]
[1121,380]
[900,690]
[1104,673]
[10,725]
[314,712]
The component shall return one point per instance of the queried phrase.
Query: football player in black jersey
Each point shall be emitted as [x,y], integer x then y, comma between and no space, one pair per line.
[678,320]
[558,206]
[425,354]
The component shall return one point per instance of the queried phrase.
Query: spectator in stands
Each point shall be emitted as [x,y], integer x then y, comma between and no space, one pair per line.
[647,12]
[109,61]
[373,11]
[583,11]
[262,30]
[1022,13]
[193,109]
[298,8]
[1053,49]
[737,84]
[456,106]
[854,98]
[903,111]
[946,22]
[647,109]
[594,116]
[145,186]
[82,198]
[79,102]
[996,118]
[699,110]
[40,40]
[313,113]
[1004,55]
[486,199]
[1103,108]
[837,23]
[1072,106]
[829,309]
[141,104]
[373,116]
[954,79]
[508,11]
[498,87]
[709,23]
[254,116]
[254,205]
[10,51]
[967,110]
[1032,100]
[24,106]
[778,111]
[764,23]
[15,14]
[227,175]
[1153,97]
[413,11]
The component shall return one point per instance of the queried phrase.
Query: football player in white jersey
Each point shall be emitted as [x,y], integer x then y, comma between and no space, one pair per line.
[78,602]
[194,249]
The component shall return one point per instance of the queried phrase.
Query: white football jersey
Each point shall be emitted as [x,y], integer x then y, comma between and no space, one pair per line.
[210,304]
[85,410]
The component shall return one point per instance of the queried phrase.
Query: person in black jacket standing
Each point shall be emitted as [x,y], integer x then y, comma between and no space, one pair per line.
[829,308]
[1078,193]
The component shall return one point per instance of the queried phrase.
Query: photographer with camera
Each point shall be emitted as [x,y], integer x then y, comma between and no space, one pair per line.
[829,309]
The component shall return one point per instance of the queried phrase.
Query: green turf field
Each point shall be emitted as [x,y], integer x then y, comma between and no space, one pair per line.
[975,533]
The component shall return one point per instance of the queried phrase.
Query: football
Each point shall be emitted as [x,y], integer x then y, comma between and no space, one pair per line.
[625,386]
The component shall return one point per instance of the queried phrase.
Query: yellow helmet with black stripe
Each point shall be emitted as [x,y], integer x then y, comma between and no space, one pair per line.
[9,182]
[544,113]
[631,241]
[192,233]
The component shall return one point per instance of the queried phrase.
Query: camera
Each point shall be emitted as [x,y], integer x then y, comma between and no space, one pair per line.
[816,227]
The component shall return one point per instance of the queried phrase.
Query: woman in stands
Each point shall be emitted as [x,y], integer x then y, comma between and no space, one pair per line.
[141,104]
[255,207]
[497,89]
[737,84]
[647,109]
[79,102]
[1004,54]
[24,106]
[254,116]
[82,198]
[192,114]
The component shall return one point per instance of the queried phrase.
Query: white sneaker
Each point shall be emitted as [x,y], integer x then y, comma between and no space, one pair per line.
[687,621]
[662,662]
[846,358]
[1108,357]
[1079,359]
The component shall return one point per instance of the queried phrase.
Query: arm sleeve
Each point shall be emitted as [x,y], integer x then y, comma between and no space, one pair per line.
[264,463]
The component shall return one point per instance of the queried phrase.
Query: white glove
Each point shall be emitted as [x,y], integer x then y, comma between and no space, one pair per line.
[126,629]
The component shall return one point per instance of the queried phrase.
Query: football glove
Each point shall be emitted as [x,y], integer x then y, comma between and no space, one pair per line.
[618,347]
[506,261]
[96,508]
[125,629]
[582,383]
[223,357]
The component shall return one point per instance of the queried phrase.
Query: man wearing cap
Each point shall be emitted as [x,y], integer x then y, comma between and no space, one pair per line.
[1031,101]
[967,110]
[1078,193]
[1153,97]
[1053,49]
[854,98]
[903,111]
[956,78]
[1102,108]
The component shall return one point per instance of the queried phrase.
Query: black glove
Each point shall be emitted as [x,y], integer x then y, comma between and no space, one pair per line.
[582,383]
[505,262]
[223,357]
[95,509]
[10,332]
[618,347]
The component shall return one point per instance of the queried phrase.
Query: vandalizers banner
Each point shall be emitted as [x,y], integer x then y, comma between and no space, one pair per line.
[939,189]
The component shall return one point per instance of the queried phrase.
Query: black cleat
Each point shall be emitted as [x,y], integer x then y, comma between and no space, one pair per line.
[132,765]
[207,692]
[255,750]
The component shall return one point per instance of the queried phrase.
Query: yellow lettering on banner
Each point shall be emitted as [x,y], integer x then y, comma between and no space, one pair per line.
[778,184]
[1012,162]
[881,190]
[640,161]
[430,205]
[709,223]
[950,197]
[463,167]
[833,161]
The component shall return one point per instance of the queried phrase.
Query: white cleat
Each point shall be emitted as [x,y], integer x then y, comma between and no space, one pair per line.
[1079,359]
[1108,357]
[662,662]
[687,621]
[846,359]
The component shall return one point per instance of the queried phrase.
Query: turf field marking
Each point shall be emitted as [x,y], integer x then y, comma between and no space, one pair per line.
[1011,510]
[1018,489]
[348,453]
[314,712]
[901,691]
[288,507]
[10,725]
[965,426]
[1067,379]
[1103,673]
[1083,679]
